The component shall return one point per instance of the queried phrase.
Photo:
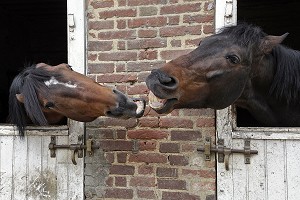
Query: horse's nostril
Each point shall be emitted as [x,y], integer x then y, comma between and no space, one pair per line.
[172,82]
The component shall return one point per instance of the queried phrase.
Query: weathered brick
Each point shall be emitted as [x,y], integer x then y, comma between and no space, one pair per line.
[142,181]
[147,145]
[178,160]
[148,158]
[143,2]
[116,78]
[147,134]
[147,33]
[116,145]
[178,195]
[148,11]
[100,45]
[148,54]
[102,68]
[171,184]
[119,193]
[198,18]
[175,122]
[184,8]
[180,31]
[147,22]
[146,43]
[101,25]
[166,172]
[122,157]
[102,4]
[121,170]
[205,122]
[119,34]
[208,29]
[185,135]
[172,54]
[118,56]
[146,194]
[169,148]
[140,66]
[118,13]
[200,173]
[120,181]
[146,170]
[137,89]
[151,122]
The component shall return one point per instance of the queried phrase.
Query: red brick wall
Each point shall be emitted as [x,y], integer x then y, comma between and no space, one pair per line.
[153,157]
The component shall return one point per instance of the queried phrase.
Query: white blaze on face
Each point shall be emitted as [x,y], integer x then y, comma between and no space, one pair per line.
[53,81]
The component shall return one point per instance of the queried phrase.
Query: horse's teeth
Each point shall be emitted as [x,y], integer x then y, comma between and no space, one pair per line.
[155,102]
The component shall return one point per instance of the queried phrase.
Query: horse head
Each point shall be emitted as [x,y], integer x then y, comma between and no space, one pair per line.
[213,75]
[45,94]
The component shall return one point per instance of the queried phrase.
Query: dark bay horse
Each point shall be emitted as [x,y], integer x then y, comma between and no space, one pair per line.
[44,94]
[241,65]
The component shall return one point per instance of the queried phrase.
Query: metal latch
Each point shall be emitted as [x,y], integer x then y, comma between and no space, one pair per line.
[224,152]
[75,148]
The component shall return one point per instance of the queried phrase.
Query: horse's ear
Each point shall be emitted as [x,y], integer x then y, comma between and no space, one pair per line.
[20,98]
[270,41]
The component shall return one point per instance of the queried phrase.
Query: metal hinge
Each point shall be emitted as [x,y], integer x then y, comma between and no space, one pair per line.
[78,148]
[224,152]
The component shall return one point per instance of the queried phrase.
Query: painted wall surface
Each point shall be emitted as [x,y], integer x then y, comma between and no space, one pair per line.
[153,157]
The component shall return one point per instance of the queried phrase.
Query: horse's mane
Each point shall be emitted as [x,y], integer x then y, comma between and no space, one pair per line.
[29,83]
[286,81]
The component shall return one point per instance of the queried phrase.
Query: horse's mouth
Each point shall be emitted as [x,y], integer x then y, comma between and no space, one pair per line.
[161,105]
[141,104]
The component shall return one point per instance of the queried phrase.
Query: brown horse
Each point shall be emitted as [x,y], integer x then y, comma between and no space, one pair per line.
[241,65]
[44,94]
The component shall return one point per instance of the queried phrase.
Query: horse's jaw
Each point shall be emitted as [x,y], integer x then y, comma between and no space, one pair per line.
[161,105]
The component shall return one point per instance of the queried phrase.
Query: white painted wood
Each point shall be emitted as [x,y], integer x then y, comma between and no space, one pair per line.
[274,174]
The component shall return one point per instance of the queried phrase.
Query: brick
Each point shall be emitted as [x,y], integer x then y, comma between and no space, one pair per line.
[151,122]
[120,181]
[137,89]
[178,160]
[119,193]
[118,56]
[92,56]
[102,68]
[148,158]
[118,13]
[200,173]
[100,45]
[121,24]
[198,18]
[116,78]
[171,184]
[148,11]
[101,25]
[199,112]
[113,145]
[143,2]
[122,157]
[147,22]
[119,34]
[185,135]
[208,29]
[147,134]
[175,122]
[178,195]
[205,122]
[169,148]
[121,45]
[121,170]
[147,145]
[101,133]
[148,54]
[142,181]
[145,170]
[141,66]
[110,157]
[175,43]
[147,33]
[180,31]
[146,194]
[184,8]
[173,20]
[102,4]
[172,54]
[166,172]
[192,42]
[146,43]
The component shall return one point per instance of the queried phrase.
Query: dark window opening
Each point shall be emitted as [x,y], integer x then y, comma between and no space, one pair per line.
[32,31]
[275,17]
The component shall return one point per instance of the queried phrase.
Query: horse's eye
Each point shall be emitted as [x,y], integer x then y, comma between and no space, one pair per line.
[233,59]
[49,105]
